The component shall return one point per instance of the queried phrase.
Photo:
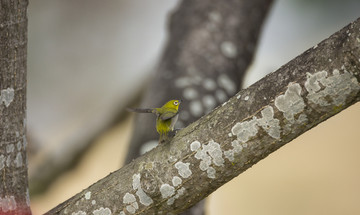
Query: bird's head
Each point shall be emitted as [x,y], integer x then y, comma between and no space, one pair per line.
[172,104]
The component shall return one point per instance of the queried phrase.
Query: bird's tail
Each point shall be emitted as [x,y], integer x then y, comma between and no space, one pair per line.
[141,110]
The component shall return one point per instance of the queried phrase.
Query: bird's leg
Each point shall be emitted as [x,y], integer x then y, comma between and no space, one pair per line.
[173,132]
[163,139]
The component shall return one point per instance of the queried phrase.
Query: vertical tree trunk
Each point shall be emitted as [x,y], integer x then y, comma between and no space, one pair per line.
[14,194]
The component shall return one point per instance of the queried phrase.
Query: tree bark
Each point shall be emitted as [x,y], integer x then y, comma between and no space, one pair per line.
[216,148]
[211,45]
[14,193]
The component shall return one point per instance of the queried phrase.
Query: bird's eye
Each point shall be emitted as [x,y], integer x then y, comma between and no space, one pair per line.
[176,102]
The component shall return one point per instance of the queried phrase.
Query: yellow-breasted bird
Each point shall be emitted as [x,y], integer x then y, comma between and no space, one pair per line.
[166,117]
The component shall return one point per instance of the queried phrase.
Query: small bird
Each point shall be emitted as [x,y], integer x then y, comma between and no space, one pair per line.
[166,117]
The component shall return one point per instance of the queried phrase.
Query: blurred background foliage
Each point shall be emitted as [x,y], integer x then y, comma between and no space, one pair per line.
[88,60]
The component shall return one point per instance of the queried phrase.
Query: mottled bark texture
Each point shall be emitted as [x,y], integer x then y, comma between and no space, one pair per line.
[248,127]
[211,44]
[14,195]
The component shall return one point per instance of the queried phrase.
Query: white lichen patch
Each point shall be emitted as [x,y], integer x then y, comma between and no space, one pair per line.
[10,148]
[269,123]
[18,160]
[8,161]
[7,96]
[130,200]
[87,195]
[337,87]
[183,169]
[228,49]
[27,197]
[312,83]
[179,193]
[24,139]
[196,108]
[7,203]
[211,172]
[225,82]
[194,146]
[167,190]
[245,130]
[291,103]
[246,98]
[143,197]
[79,213]
[176,181]
[171,200]
[237,148]
[19,145]
[214,150]
[102,211]
[132,208]
[93,202]
[209,154]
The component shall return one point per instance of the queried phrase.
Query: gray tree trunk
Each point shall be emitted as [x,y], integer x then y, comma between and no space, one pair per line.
[14,193]
[248,127]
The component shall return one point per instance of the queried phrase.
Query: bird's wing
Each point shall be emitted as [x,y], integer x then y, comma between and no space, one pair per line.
[167,115]
[141,110]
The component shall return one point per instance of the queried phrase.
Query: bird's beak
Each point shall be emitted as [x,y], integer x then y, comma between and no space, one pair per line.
[180,100]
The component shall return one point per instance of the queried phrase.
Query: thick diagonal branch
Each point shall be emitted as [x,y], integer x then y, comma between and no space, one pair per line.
[254,123]
[210,46]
